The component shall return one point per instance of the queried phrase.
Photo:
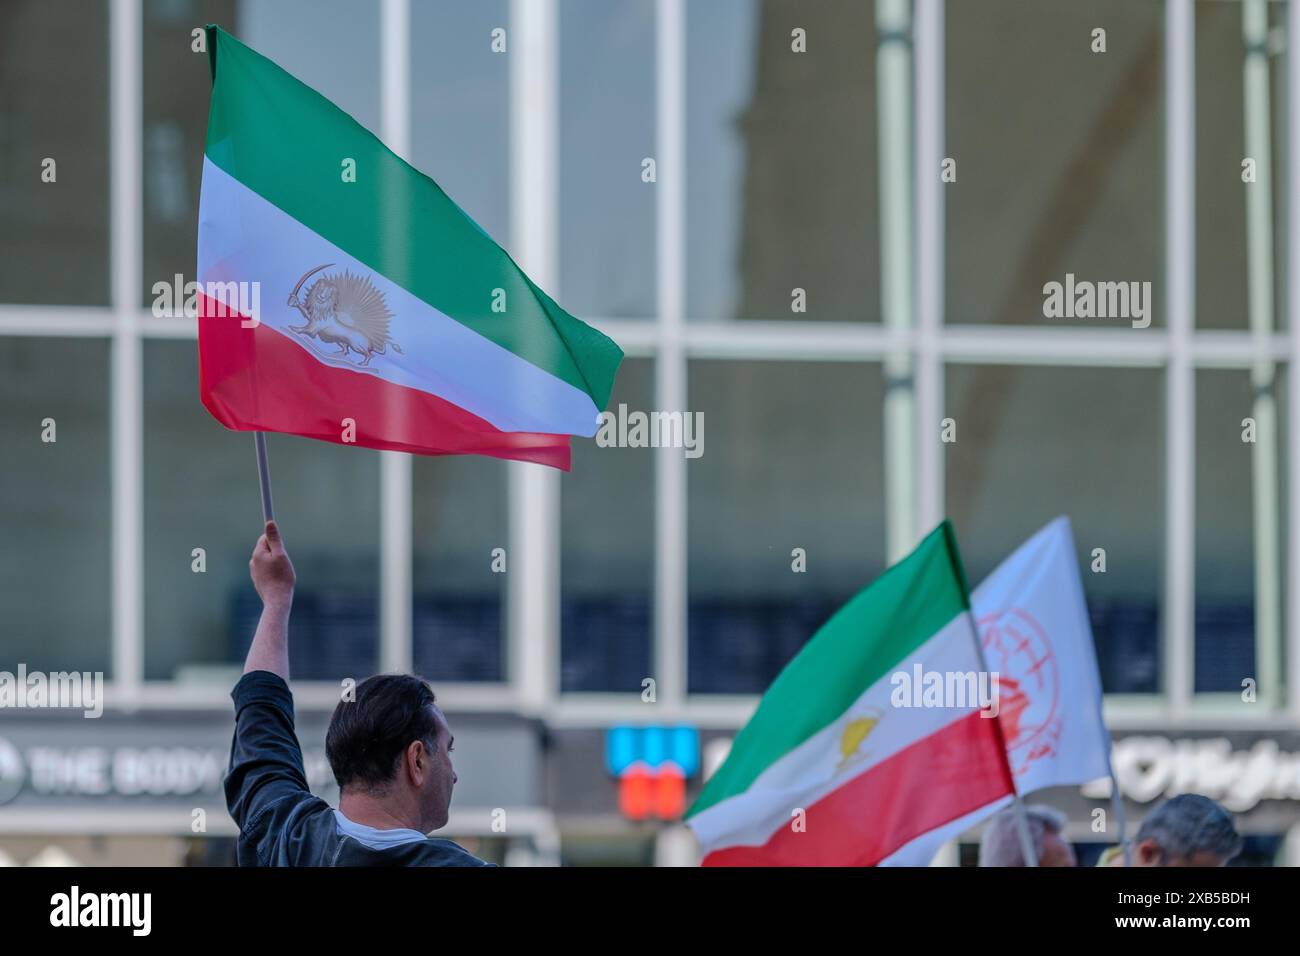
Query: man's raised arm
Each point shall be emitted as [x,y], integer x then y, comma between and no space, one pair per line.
[265,757]
[273,577]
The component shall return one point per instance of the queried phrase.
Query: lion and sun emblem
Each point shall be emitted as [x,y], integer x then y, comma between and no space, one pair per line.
[344,310]
[854,735]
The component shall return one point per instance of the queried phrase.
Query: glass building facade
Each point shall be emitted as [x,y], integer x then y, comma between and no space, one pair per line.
[843,272]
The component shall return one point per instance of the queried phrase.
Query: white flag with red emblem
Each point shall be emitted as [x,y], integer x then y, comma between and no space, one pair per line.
[1034,626]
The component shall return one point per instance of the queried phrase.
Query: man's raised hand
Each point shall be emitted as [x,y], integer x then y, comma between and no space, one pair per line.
[271,570]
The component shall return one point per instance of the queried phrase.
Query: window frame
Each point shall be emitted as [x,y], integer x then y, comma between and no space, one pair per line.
[671,340]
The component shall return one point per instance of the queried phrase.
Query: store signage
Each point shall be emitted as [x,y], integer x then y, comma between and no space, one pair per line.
[123,771]
[1150,768]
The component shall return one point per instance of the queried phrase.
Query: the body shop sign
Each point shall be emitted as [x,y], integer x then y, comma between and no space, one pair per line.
[48,772]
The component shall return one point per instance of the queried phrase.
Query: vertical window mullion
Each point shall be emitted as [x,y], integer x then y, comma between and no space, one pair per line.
[896,119]
[1293,329]
[533,558]
[931,112]
[1180,409]
[670,585]
[125,398]
[395,585]
[1264,451]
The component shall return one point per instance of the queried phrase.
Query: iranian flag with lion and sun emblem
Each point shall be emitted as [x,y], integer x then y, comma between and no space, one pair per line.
[830,770]
[381,306]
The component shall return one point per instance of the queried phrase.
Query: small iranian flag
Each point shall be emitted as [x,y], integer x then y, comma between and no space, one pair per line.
[380,313]
[847,762]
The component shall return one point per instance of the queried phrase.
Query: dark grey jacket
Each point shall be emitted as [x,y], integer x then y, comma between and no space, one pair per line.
[280,822]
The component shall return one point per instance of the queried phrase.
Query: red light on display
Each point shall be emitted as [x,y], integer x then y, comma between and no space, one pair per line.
[636,792]
[670,792]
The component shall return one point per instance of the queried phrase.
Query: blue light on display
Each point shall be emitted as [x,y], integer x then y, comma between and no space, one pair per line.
[620,749]
[653,746]
[685,749]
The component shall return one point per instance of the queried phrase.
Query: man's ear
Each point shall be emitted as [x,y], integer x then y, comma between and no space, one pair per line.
[416,765]
[1148,853]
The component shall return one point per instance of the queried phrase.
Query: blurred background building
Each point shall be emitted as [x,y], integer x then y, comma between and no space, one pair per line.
[776,170]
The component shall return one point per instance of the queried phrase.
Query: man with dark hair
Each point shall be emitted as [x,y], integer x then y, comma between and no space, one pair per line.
[1186,830]
[388,745]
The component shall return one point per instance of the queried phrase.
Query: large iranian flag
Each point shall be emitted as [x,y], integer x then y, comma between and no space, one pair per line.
[387,317]
[836,767]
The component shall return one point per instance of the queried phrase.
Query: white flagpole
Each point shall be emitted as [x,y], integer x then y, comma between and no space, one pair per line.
[264,477]
[1022,820]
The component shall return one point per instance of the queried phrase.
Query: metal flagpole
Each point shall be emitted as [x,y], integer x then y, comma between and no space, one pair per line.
[1022,820]
[1117,804]
[264,477]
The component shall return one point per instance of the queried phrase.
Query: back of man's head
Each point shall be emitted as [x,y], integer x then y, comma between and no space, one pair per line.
[367,735]
[1187,830]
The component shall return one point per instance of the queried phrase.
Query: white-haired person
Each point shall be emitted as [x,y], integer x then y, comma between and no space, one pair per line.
[1000,842]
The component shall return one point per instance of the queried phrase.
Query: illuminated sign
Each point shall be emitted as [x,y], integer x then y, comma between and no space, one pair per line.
[173,771]
[652,765]
[1149,768]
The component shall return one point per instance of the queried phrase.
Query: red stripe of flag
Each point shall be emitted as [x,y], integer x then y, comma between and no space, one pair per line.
[934,781]
[259,380]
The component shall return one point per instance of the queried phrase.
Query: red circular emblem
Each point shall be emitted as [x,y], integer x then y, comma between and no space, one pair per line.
[1017,648]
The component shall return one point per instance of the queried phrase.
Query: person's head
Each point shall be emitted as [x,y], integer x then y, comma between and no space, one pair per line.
[392,744]
[1000,843]
[1187,830]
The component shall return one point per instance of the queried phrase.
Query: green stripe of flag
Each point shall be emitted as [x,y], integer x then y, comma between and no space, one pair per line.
[883,624]
[286,142]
